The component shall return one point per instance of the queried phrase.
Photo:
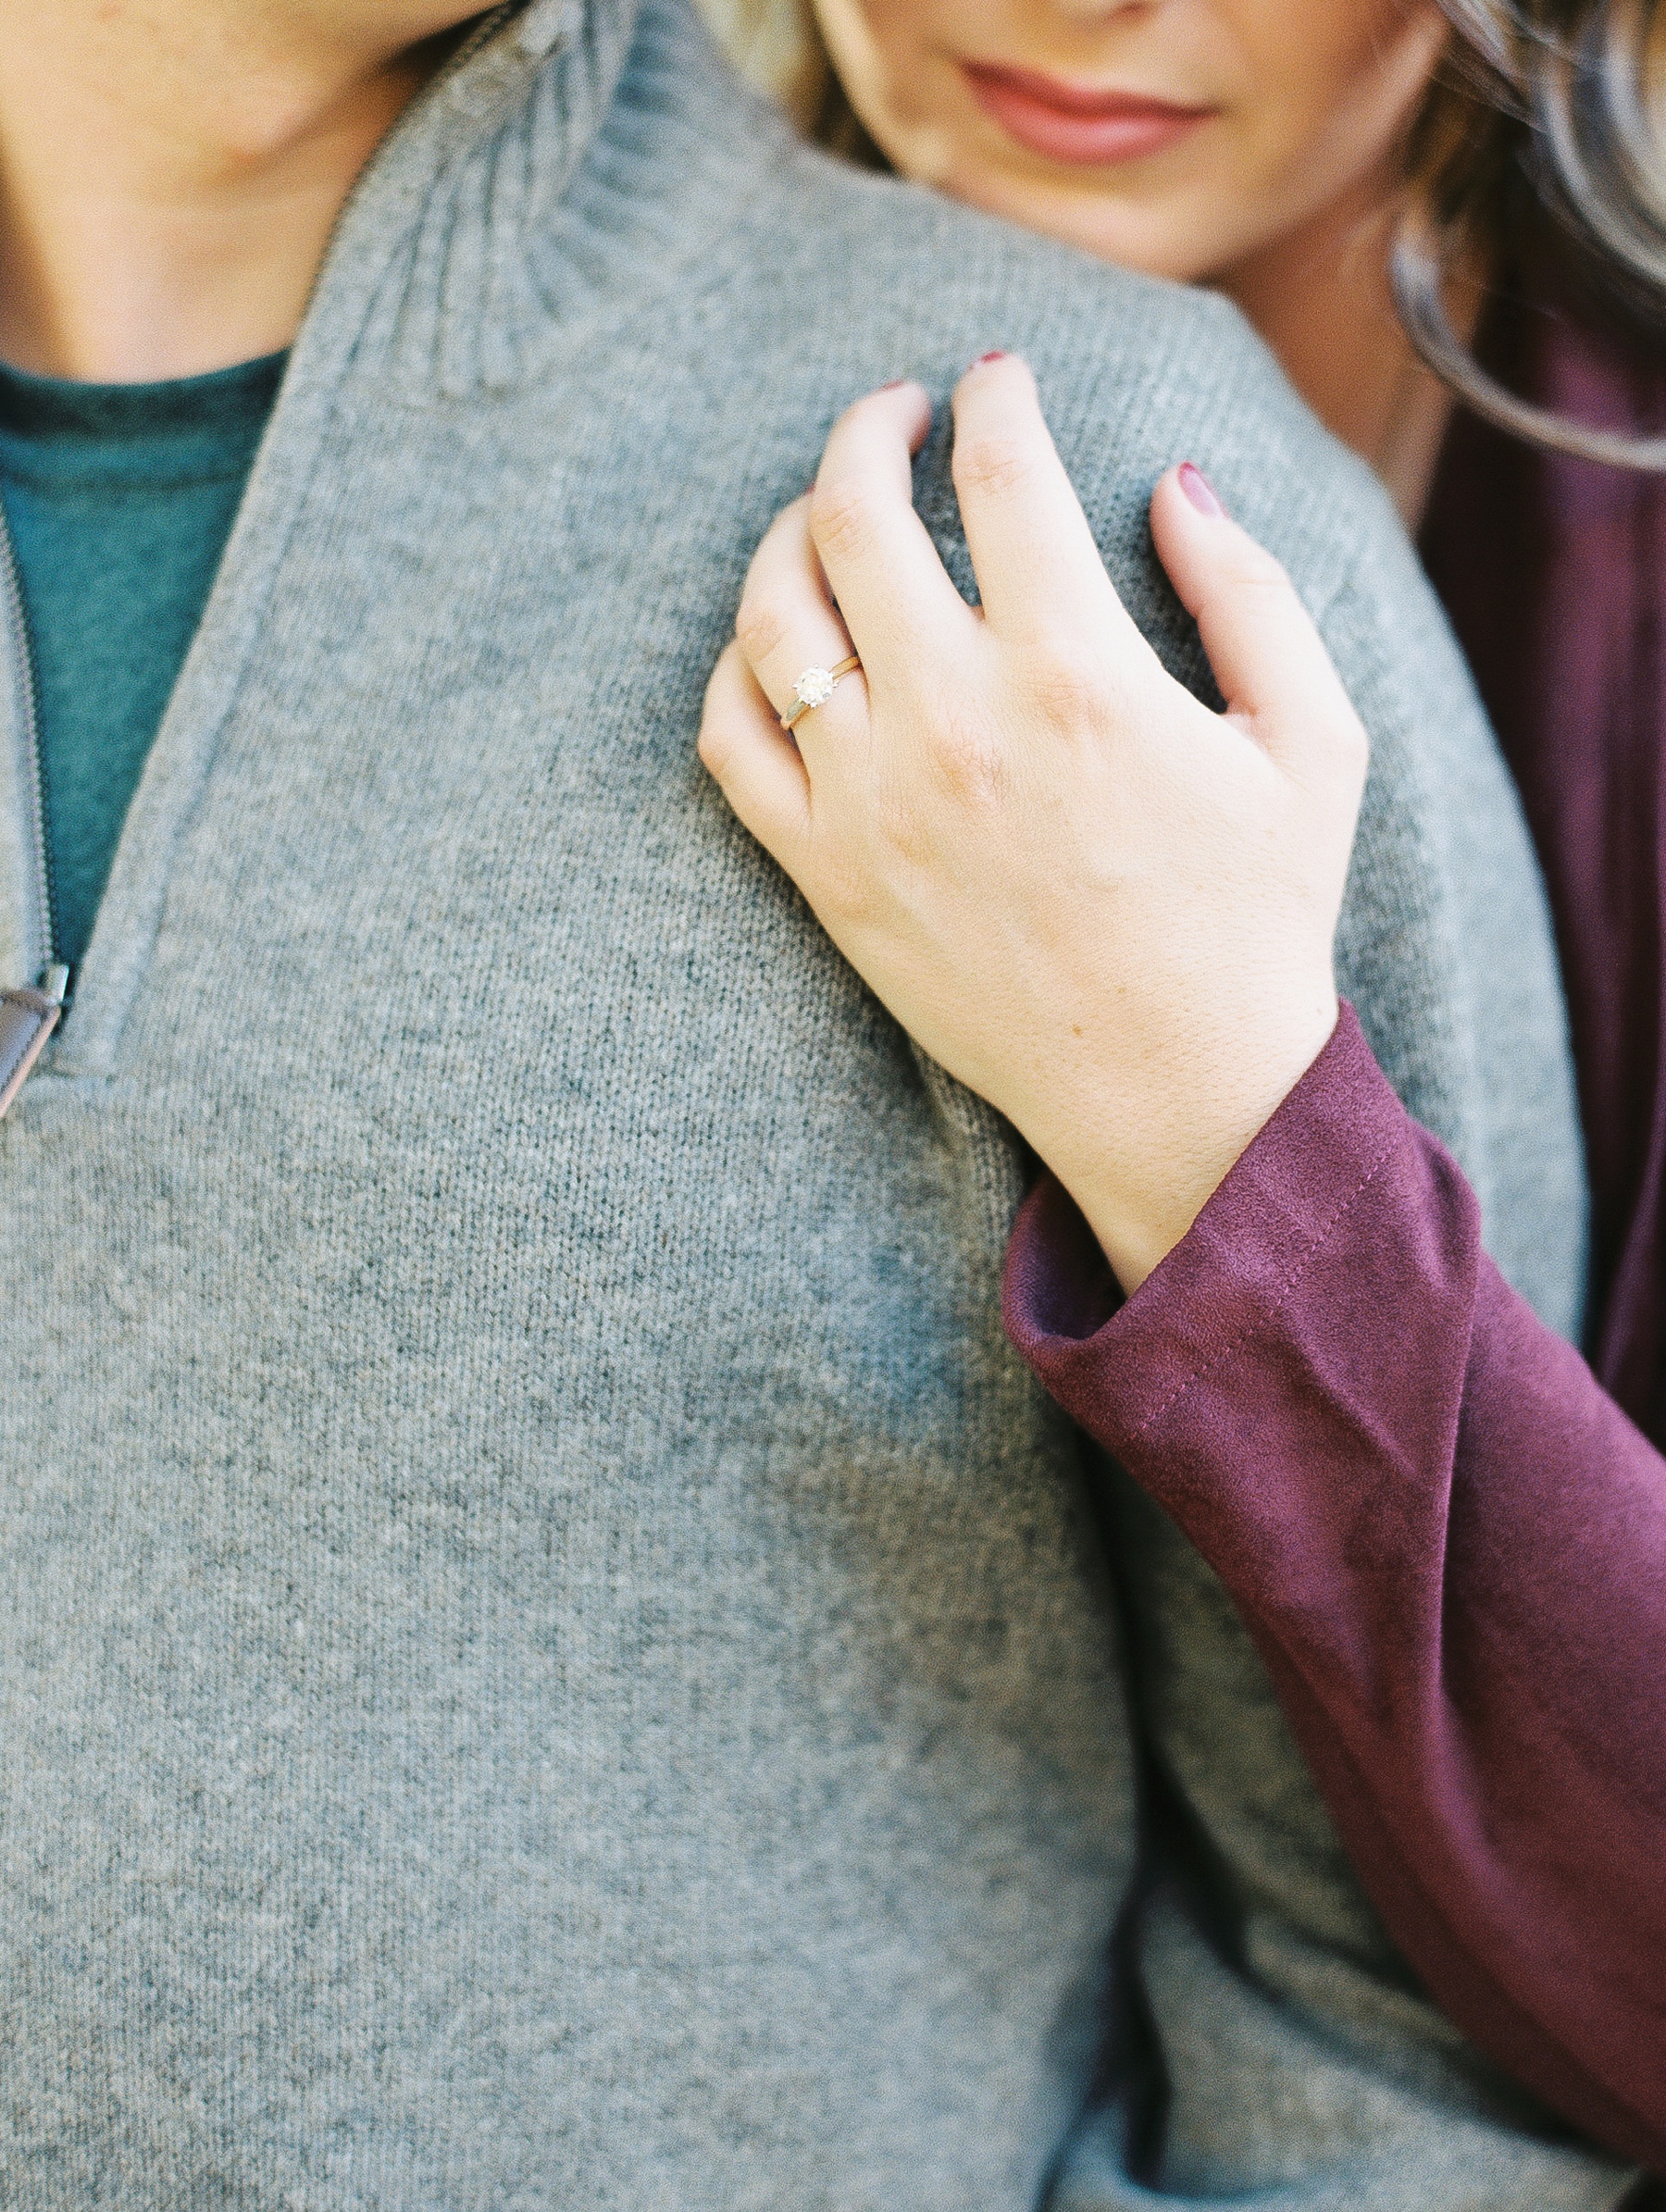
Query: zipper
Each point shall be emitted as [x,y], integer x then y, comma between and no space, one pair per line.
[11,589]
[27,1017]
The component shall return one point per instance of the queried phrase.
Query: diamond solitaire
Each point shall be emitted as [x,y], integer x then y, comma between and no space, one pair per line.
[815,686]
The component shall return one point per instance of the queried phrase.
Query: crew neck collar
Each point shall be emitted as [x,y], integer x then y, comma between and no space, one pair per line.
[73,405]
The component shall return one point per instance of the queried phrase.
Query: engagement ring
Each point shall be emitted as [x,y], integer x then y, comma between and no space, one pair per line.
[815,687]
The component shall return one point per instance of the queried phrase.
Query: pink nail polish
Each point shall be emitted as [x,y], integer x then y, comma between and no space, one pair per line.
[983,359]
[1199,489]
[896,384]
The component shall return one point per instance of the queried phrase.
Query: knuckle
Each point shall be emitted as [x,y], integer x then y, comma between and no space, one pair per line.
[760,623]
[899,832]
[992,464]
[840,516]
[1255,569]
[844,893]
[1069,686]
[966,759]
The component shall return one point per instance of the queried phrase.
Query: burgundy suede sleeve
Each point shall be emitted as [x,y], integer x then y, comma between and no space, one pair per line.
[1448,1544]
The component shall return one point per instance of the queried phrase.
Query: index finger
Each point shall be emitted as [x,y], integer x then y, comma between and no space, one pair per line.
[1038,565]
[897,598]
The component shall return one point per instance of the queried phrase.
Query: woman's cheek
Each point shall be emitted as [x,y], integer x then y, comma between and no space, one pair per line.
[882,52]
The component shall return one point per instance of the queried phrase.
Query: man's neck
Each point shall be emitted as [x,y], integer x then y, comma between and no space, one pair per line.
[169,174]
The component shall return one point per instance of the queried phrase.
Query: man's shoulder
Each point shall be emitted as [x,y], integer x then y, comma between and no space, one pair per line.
[892,226]
[1135,375]
[878,247]
[700,217]
[831,244]
[1135,372]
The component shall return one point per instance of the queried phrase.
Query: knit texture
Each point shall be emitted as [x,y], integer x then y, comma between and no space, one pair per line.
[550,1652]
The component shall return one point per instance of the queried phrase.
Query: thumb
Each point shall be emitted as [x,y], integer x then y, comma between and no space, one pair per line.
[1268,657]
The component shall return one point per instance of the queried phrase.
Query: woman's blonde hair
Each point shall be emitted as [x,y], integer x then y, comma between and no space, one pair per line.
[776,46]
[1549,117]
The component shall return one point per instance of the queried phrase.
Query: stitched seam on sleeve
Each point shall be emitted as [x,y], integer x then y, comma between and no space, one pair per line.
[1321,1237]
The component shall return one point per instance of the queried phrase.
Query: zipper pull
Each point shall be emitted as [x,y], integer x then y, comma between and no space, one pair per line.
[27,1020]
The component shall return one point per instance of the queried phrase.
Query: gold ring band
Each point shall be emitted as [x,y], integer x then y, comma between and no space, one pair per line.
[815,687]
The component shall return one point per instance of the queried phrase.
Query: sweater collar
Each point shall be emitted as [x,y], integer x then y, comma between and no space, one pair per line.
[568,146]
[567,159]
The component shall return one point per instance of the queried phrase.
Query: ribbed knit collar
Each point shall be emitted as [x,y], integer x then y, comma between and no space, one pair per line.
[573,162]
[567,144]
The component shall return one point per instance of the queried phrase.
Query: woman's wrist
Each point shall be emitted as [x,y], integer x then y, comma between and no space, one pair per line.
[1140,1192]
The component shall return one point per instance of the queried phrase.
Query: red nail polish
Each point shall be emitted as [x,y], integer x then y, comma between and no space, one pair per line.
[999,354]
[1199,489]
[896,384]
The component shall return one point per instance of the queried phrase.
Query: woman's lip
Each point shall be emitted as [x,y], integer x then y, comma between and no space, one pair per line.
[1077,123]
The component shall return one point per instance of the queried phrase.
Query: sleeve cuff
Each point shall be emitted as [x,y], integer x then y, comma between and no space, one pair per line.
[1117,1365]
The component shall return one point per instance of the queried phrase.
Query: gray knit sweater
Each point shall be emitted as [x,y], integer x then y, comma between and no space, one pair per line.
[550,1654]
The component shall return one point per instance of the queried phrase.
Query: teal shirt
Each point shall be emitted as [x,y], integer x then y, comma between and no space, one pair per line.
[119,499]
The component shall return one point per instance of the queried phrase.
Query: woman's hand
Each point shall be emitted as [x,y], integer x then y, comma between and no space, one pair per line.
[1103,907]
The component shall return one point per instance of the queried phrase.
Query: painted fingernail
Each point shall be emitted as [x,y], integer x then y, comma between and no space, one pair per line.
[1199,489]
[984,359]
[896,384]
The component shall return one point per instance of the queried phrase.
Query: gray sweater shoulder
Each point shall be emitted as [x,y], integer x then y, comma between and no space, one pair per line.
[1446,945]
